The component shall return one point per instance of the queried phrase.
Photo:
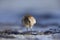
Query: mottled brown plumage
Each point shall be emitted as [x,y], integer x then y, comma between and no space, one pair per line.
[28,21]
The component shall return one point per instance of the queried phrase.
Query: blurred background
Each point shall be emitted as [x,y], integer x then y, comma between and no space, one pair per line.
[46,12]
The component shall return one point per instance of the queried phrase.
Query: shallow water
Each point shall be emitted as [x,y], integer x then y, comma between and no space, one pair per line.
[34,37]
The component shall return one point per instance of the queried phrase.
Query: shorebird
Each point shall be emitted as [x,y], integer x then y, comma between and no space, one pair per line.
[28,21]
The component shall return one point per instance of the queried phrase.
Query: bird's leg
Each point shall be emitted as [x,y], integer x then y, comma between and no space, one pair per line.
[31,29]
[27,29]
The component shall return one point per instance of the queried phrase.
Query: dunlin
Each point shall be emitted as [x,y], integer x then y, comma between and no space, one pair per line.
[28,21]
